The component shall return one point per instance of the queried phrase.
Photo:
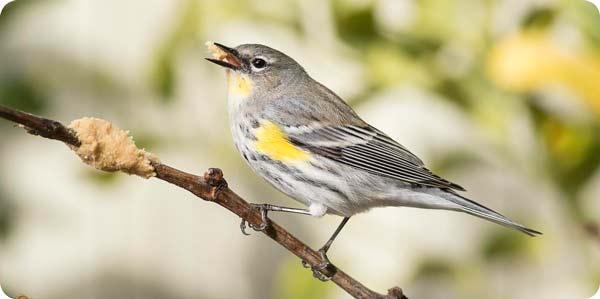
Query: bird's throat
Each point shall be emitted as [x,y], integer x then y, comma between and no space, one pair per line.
[238,85]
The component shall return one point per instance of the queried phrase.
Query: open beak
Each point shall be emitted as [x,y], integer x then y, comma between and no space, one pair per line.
[224,56]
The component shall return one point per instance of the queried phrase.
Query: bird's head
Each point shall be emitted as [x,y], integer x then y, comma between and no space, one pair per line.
[253,66]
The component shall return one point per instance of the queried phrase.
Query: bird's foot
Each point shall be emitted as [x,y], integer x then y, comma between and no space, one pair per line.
[264,209]
[319,270]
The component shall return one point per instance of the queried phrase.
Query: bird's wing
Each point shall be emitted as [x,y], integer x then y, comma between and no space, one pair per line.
[368,149]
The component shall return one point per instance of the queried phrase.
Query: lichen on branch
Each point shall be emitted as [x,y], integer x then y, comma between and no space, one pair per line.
[106,147]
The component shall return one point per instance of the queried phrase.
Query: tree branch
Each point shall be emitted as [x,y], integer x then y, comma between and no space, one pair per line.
[210,187]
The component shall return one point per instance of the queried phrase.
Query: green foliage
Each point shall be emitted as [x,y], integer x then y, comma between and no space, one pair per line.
[572,149]
[356,26]
[542,17]
[21,93]
[504,243]
[7,213]
[454,90]
[185,29]
[388,65]
[430,268]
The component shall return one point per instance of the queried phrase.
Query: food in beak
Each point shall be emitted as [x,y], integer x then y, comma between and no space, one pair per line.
[223,56]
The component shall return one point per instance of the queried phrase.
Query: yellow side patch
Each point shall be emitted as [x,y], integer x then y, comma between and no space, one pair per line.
[238,84]
[272,142]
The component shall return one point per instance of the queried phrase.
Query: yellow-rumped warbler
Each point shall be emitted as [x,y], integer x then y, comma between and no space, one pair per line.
[308,143]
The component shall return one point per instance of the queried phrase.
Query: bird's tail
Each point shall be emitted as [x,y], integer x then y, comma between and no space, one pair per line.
[468,206]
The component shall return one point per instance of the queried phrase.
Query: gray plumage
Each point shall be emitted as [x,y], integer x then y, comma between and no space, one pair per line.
[353,167]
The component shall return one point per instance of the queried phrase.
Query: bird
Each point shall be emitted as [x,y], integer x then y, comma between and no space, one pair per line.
[311,145]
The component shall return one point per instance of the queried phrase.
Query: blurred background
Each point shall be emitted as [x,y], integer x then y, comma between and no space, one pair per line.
[502,97]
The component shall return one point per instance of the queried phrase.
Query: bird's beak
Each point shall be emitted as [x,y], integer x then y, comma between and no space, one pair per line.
[224,56]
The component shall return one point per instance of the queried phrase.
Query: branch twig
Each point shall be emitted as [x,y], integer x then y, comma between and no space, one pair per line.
[210,187]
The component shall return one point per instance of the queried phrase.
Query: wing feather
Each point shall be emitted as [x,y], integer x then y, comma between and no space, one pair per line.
[368,149]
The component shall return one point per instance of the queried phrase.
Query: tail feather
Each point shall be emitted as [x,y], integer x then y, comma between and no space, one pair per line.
[468,206]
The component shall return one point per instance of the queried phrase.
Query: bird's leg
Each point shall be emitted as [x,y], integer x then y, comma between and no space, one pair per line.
[318,269]
[264,209]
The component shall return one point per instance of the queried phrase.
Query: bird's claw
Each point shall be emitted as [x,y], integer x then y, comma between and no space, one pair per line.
[318,270]
[264,209]
[243,227]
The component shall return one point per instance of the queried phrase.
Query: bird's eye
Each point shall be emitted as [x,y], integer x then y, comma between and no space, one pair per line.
[259,63]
